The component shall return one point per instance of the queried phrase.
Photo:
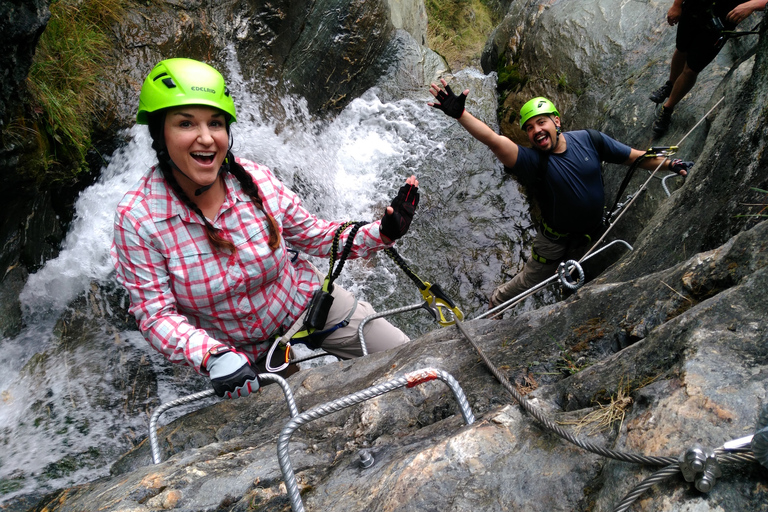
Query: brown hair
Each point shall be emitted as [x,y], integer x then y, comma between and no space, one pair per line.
[156,121]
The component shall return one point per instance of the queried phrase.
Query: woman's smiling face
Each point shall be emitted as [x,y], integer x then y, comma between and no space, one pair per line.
[197,140]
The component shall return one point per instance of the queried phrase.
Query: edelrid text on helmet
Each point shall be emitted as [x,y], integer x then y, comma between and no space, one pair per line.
[177,82]
[536,107]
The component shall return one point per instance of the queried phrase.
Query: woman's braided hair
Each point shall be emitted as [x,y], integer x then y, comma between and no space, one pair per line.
[156,122]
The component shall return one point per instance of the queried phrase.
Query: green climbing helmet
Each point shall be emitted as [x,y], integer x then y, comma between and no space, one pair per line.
[176,82]
[536,107]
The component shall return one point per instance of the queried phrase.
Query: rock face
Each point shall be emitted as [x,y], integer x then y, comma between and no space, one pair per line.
[327,52]
[21,23]
[671,340]
[686,346]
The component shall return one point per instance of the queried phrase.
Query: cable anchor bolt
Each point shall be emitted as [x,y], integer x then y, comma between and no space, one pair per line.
[700,465]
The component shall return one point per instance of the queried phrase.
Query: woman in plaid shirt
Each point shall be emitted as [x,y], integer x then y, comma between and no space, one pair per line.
[200,241]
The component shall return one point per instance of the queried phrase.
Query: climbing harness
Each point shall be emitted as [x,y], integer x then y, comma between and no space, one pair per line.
[442,308]
[307,327]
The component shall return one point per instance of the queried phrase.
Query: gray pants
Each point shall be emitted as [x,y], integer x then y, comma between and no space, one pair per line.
[344,342]
[534,271]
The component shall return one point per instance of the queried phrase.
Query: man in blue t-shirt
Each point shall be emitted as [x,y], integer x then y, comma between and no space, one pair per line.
[563,171]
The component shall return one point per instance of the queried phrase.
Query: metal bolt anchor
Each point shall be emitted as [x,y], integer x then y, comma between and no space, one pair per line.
[366,459]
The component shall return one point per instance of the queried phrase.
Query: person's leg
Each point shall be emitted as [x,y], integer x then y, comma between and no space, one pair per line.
[677,65]
[533,272]
[685,81]
[675,69]
[682,86]
[344,342]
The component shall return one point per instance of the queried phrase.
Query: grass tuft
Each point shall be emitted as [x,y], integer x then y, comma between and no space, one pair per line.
[605,416]
[64,79]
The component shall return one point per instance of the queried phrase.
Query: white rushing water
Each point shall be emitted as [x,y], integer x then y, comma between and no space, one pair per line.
[57,400]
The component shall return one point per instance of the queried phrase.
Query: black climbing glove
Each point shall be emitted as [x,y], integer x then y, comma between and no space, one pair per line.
[231,373]
[678,165]
[451,104]
[394,225]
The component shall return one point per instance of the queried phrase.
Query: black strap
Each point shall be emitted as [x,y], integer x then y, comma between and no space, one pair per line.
[392,253]
[627,177]
[333,274]
[598,142]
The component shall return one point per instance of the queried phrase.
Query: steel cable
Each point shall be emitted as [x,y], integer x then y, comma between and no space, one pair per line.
[671,463]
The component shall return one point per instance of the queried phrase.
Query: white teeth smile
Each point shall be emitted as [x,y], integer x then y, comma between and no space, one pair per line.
[204,155]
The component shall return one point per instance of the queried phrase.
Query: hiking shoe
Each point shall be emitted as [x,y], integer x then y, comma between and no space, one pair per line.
[662,93]
[661,125]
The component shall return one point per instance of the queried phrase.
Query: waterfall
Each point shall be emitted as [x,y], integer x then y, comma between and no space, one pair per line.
[77,391]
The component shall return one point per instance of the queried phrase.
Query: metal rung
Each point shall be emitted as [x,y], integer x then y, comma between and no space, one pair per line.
[408,380]
[374,316]
[154,445]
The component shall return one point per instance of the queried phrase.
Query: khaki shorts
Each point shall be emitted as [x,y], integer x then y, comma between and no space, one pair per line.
[344,342]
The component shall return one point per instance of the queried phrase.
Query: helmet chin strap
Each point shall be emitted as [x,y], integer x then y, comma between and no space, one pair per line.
[557,136]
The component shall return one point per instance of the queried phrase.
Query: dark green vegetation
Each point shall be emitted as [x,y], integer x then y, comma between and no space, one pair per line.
[64,85]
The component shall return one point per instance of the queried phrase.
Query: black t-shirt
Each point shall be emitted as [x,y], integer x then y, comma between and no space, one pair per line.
[571,194]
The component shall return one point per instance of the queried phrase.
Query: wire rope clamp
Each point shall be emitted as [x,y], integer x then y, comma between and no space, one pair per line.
[564,273]
[700,466]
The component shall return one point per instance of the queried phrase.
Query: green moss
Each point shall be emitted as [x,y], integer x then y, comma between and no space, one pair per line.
[10,485]
[509,77]
[64,83]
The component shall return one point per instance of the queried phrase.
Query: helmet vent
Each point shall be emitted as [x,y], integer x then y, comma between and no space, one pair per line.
[169,82]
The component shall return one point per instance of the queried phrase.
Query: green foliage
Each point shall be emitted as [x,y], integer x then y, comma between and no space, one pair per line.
[509,77]
[64,80]
[458,29]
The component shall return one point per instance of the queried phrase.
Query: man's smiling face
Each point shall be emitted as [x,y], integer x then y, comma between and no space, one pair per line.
[542,131]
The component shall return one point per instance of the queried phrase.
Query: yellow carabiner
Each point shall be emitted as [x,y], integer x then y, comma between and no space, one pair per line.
[440,305]
[664,151]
